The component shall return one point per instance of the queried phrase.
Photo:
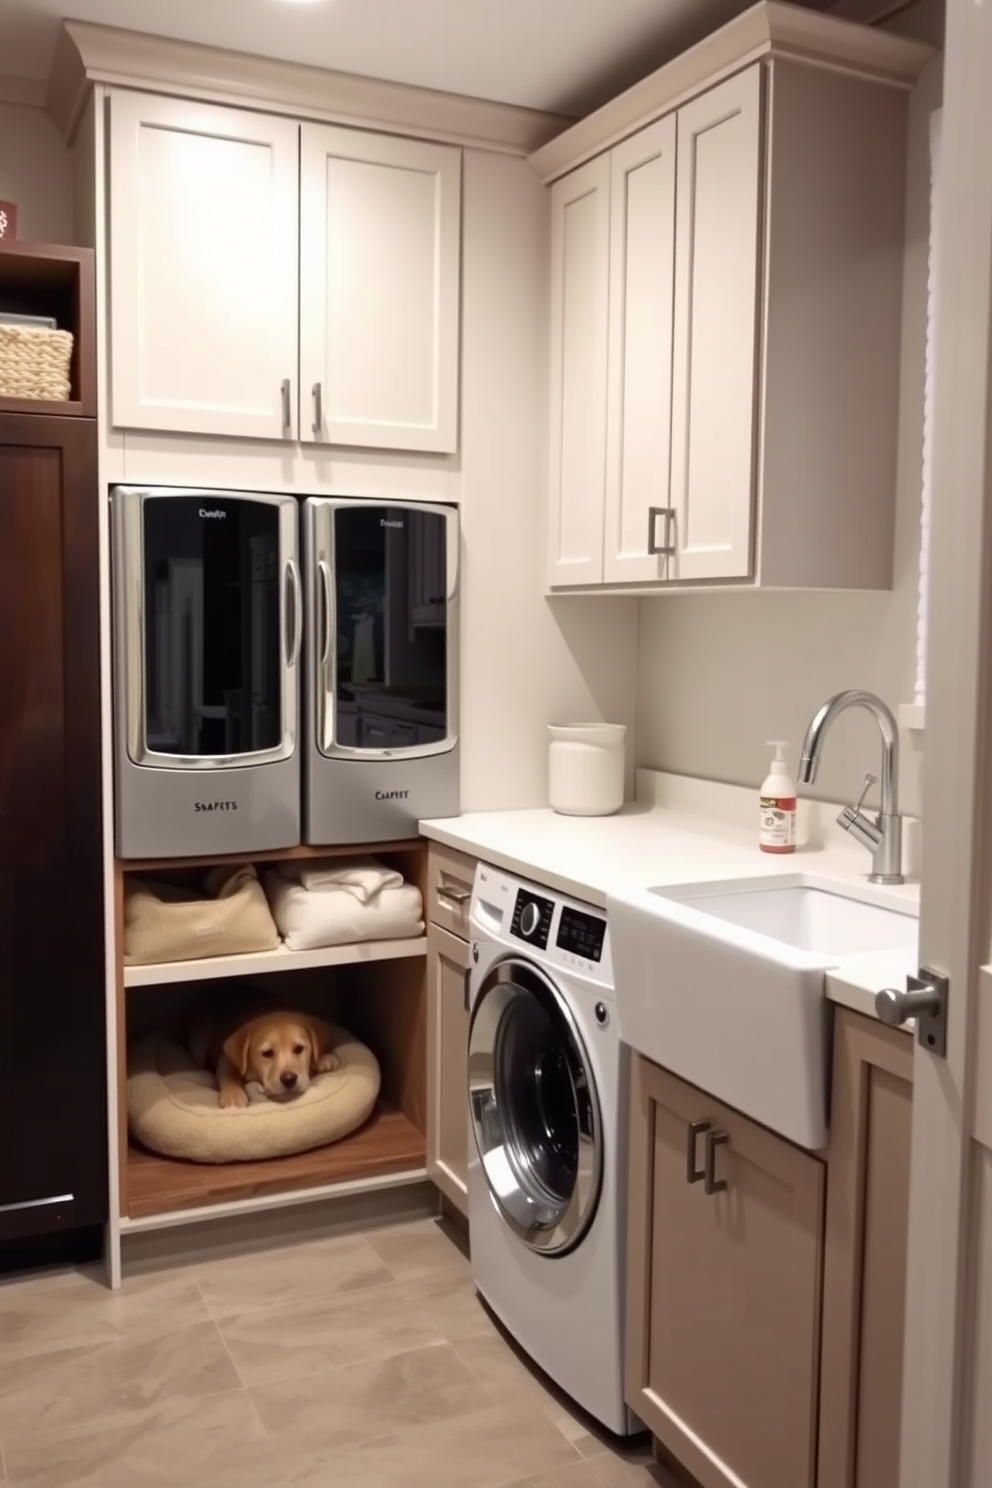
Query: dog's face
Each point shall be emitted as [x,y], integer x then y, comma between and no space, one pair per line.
[278,1051]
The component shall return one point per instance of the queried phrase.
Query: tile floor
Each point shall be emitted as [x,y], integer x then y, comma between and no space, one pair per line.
[360,1362]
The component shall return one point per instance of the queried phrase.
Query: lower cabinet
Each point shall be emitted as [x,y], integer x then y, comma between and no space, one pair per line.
[725,1254]
[864,1275]
[448,961]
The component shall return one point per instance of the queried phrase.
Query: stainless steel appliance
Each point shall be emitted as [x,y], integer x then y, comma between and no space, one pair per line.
[208,615]
[382,668]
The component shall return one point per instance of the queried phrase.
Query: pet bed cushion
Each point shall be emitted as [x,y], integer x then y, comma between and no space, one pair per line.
[173,1106]
[230,917]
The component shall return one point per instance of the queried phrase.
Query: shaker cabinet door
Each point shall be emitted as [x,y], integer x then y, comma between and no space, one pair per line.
[639,422]
[580,255]
[447,1065]
[380,221]
[724,1288]
[714,380]
[204,211]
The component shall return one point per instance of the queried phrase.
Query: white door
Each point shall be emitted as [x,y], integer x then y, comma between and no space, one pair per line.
[956,902]
[380,222]
[204,212]
[714,380]
[580,267]
[639,419]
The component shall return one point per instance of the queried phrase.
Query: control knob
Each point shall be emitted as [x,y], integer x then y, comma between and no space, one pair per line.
[530,918]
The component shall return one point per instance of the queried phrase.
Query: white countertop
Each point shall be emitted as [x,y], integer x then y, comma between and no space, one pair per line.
[678,831]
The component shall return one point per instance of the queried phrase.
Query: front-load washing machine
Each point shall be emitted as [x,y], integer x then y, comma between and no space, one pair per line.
[548,1091]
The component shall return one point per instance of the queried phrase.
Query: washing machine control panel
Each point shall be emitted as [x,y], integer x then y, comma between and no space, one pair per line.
[532,918]
[581,934]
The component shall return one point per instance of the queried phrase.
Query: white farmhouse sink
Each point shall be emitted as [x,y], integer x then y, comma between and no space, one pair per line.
[722,983]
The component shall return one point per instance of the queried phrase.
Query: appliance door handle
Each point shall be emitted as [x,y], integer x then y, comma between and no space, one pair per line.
[695,1130]
[324,574]
[294,609]
[712,1184]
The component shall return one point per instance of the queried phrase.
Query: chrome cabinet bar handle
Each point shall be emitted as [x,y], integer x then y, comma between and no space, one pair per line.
[468,984]
[318,409]
[294,610]
[712,1184]
[457,896]
[695,1129]
[667,548]
[287,413]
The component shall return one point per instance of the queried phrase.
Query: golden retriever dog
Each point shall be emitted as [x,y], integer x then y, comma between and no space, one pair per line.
[262,1043]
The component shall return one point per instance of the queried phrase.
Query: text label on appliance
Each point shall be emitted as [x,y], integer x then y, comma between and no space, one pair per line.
[217,515]
[391,795]
[388,522]
[215,806]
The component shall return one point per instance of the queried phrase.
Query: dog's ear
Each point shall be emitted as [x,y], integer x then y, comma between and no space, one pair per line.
[317,1033]
[236,1049]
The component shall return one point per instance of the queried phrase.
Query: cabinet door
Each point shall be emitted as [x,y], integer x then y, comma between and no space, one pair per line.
[639,423]
[714,379]
[204,209]
[447,1065]
[53,1139]
[380,220]
[580,255]
[864,1272]
[723,1289]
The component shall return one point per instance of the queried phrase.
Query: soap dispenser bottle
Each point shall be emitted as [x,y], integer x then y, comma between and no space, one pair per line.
[777,830]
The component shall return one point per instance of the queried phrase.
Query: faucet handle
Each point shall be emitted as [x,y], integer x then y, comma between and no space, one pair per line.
[870,780]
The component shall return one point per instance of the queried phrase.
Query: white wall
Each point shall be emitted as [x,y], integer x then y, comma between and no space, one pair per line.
[526,661]
[36,173]
[721,673]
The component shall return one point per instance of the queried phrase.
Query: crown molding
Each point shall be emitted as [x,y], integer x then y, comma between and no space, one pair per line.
[768,29]
[28,91]
[87,54]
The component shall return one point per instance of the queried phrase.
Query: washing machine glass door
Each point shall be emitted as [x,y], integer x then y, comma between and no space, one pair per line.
[534,1108]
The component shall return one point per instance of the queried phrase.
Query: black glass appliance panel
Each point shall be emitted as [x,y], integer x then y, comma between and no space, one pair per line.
[212,626]
[391,586]
[532,917]
[582,934]
[541,1109]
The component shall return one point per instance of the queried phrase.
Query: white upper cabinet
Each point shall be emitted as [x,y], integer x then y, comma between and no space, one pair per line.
[379,290]
[204,278]
[713,386]
[580,258]
[639,411]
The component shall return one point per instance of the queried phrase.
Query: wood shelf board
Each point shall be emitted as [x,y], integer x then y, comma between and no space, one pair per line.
[273,855]
[282,959]
[42,263]
[46,407]
[387,1143]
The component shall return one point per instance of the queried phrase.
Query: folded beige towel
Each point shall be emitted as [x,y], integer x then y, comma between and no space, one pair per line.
[363,878]
[164,923]
[309,918]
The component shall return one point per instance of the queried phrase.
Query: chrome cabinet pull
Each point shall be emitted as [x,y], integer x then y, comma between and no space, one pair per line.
[468,982]
[696,1129]
[318,408]
[712,1184]
[294,611]
[287,413]
[667,548]
[457,896]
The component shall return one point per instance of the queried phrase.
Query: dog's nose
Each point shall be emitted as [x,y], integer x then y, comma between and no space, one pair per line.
[288,1079]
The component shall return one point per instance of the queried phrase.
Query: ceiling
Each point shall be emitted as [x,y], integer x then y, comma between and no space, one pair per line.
[567,56]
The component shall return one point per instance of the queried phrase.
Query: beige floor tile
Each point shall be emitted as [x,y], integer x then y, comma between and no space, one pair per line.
[271,1342]
[509,1380]
[486,1449]
[452,1306]
[313,1419]
[292,1274]
[72,1308]
[45,1392]
[633,1468]
[578,1475]
[213,1443]
[413,1251]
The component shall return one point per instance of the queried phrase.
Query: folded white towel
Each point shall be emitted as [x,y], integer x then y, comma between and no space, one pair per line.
[363,878]
[309,918]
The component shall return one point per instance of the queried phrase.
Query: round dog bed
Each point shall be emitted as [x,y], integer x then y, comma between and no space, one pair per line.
[173,1106]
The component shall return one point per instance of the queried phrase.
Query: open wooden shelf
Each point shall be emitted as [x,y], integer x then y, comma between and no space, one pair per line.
[274,855]
[153,974]
[59,281]
[387,1143]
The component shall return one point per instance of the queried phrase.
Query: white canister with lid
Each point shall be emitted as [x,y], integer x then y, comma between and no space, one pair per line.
[586,768]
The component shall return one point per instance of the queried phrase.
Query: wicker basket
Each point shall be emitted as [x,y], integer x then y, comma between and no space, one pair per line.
[34,363]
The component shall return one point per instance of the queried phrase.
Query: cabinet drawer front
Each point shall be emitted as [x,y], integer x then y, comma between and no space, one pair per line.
[379,290]
[204,208]
[449,889]
[723,1358]
[714,376]
[448,1136]
[580,252]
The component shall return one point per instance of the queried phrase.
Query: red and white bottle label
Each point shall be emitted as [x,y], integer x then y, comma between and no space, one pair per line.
[777,830]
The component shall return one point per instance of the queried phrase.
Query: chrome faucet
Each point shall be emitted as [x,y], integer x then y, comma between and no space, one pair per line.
[883,836]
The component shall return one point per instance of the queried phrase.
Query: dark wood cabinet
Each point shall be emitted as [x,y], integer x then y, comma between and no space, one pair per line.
[53,1147]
